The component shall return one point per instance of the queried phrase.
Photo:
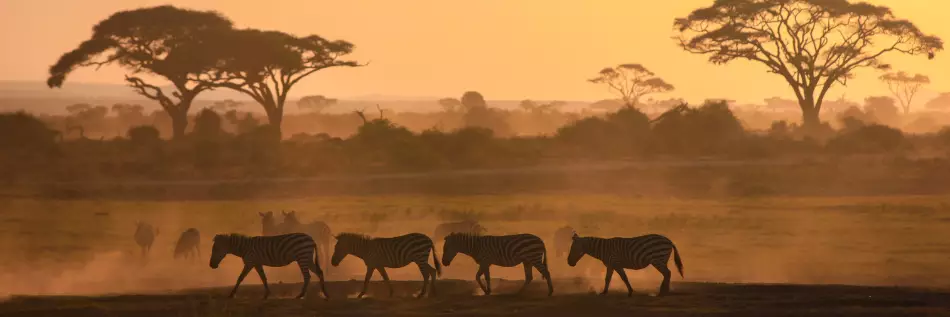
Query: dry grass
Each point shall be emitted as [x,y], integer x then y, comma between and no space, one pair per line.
[85,246]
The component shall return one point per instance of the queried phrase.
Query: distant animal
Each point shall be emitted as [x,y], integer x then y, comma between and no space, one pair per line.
[268,224]
[506,251]
[144,236]
[464,226]
[635,253]
[188,245]
[395,252]
[319,230]
[274,251]
[562,240]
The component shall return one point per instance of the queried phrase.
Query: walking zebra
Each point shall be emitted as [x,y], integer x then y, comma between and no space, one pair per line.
[144,236]
[635,253]
[274,251]
[319,230]
[562,240]
[507,251]
[394,252]
[268,224]
[189,241]
[465,226]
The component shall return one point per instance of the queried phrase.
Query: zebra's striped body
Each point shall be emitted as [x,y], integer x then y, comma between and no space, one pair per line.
[635,253]
[466,226]
[395,252]
[144,236]
[189,241]
[562,240]
[319,230]
[507,251]
[274,251]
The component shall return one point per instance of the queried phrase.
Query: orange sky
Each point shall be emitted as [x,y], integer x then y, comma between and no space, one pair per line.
[538,49]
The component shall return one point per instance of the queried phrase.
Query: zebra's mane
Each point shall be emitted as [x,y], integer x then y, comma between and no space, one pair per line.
[463,235]
[230,236]
[355,236]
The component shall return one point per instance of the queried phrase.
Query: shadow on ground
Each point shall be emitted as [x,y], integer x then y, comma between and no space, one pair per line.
[461,298]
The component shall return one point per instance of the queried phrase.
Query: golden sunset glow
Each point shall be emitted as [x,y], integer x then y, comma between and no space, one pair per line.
[505,49]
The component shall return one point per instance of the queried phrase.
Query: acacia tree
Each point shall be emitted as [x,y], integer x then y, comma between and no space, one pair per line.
[904,87]
[315,103]
[450,105]
[265,65]
[631,82]
[812,44]
[158,41]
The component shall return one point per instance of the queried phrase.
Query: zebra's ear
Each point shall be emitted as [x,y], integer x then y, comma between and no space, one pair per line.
[574,237]
[262,214]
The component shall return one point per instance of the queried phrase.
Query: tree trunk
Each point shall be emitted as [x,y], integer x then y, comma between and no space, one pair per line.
[179,123]
[275,116]
[810,119]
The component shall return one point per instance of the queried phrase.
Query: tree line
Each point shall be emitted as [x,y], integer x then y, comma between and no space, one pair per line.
[813,45]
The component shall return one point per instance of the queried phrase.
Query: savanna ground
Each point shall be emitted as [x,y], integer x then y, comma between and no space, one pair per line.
[84,249]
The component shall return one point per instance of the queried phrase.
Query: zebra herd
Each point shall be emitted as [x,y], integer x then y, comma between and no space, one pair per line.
[291,241]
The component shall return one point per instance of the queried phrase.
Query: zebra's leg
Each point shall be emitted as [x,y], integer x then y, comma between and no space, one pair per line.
[623,276]
[424,269]
[527,277]
[478,278]
[260,272]
[547,277]
[369,275]
[665,286]
[382,271]
[304,265]
[487,280]
[610,273]
[247,268]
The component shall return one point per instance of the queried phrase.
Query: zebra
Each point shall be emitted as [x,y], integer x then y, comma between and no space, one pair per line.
[269,226]
[562,240]
[635,253]
[394,252]
[465,226]
[273,251]
[319,230]
[144,236]
[189,239]
[506,251]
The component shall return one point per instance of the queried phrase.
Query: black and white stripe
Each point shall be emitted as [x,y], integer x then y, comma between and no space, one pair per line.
[507,251]
[635,253]
[273,251]
[465,226]
[395,252]
[319,230]
[188,245]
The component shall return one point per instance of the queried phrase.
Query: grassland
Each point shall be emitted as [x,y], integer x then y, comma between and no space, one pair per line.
[84,247]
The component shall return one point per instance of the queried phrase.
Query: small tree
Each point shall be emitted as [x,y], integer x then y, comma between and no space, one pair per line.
[904,87]
[812,44]
[631,82]
[315,103]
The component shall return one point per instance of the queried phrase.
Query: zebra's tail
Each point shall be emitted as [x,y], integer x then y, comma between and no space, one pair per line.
[435,258]
[677,260]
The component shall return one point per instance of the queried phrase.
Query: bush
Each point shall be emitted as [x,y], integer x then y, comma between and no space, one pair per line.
[868,139]
[23,134]
[708,130]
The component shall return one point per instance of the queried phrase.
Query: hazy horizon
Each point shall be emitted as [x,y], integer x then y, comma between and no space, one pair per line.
[506,51]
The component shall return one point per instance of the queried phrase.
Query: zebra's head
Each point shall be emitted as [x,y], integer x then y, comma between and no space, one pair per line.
[454,243]
[220,247]
[346,244]
[578,249]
